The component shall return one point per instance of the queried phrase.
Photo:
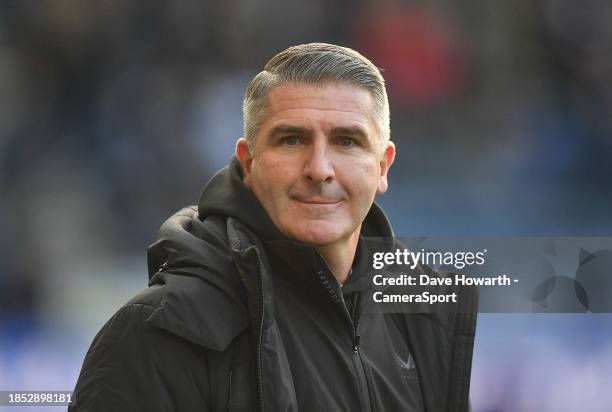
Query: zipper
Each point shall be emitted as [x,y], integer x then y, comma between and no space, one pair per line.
[362,383]
[364,394]
[260,304]
[259,308]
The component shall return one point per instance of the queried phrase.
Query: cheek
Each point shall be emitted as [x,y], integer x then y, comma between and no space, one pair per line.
[282,166]
[363,177]
[269,175]
[267,163]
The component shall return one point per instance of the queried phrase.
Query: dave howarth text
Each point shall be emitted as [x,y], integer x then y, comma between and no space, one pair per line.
[426,280]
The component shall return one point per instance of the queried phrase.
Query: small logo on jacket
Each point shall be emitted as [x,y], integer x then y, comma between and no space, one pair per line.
[408,364]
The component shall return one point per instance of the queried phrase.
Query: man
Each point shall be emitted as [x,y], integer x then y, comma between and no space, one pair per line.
[257,297]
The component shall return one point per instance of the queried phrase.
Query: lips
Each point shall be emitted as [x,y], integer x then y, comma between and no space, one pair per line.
[314,196]
[318,201]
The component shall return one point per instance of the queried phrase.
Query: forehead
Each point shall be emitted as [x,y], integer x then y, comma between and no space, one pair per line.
[328,105]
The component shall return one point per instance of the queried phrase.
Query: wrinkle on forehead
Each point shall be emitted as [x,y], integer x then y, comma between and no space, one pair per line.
[313,94]
[309,102]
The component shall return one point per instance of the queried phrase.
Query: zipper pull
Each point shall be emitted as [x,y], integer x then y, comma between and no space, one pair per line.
[356,343]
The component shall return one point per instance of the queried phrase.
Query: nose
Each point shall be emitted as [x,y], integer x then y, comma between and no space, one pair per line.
[318,167]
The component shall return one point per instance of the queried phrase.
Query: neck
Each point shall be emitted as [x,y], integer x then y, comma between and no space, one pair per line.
[339,255]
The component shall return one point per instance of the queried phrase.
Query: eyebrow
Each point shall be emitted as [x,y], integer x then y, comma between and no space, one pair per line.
[351,131]
[283,129]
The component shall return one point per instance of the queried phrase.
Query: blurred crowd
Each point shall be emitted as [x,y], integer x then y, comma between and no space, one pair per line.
[114,114]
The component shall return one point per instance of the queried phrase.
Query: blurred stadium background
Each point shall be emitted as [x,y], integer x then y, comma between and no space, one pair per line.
[114,114]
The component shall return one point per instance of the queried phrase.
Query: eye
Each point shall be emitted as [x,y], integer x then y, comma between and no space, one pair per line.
[346,141]
[291,140]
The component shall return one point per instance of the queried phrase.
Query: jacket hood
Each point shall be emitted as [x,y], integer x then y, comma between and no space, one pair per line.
[226,194]
[202,299]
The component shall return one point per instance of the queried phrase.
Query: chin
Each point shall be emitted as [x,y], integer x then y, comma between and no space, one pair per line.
[316,234]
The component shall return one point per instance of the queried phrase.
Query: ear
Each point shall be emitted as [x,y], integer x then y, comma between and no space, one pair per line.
[385,165]
[243,154]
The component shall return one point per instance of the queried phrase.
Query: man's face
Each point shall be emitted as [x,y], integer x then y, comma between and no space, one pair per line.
[317,162]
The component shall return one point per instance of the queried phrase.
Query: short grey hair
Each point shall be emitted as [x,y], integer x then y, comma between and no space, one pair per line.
[315,64]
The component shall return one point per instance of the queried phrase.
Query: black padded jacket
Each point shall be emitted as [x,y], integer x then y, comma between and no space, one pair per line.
[238,318]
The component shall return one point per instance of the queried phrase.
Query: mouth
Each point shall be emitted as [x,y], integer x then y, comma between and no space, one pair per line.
[318,201]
